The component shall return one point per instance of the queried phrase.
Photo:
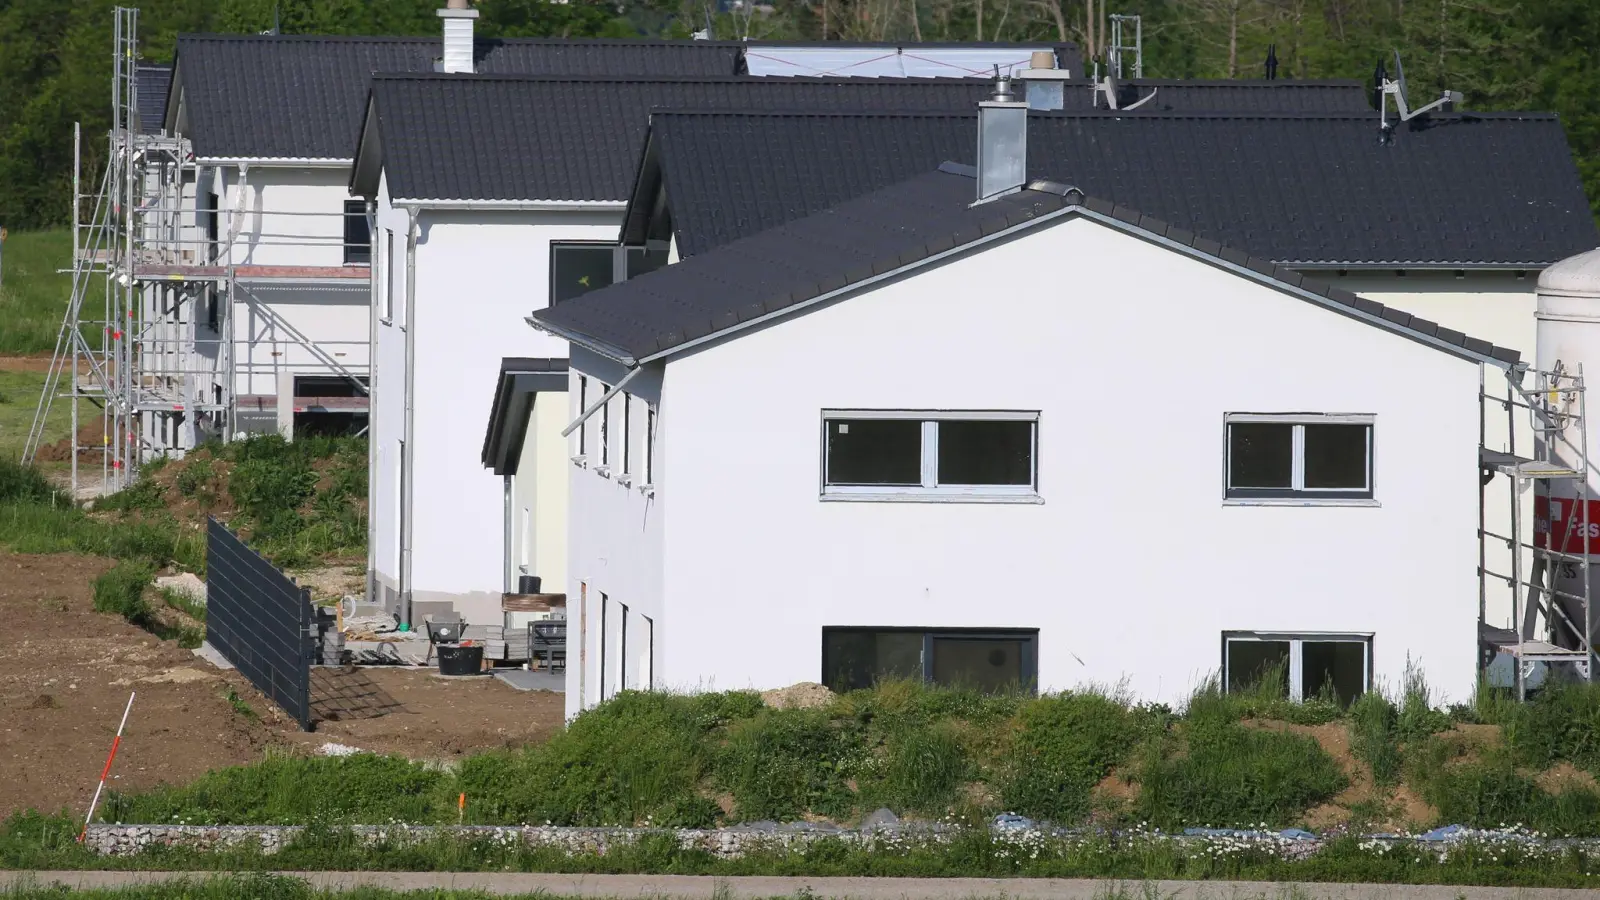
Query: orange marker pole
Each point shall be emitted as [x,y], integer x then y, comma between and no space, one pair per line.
[461,808]
[115,743]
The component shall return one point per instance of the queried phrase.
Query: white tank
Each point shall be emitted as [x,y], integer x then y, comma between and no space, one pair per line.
[1568,342]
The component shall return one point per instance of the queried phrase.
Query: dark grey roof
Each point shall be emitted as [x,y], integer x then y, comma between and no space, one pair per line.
[881,233]
[150,87]
[302,96]
[520,378]
[1451,191]
[554,138]
[1240,95]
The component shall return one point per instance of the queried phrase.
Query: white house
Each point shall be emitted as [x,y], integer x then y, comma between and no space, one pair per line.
[496,195]
[910,435]
[1314,191]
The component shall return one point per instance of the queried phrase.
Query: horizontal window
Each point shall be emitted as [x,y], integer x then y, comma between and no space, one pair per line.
[878,455]
[1299,667]
[1308,457]
[992,660]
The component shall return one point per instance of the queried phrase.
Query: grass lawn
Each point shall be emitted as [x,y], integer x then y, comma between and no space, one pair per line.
[19,397]
[33,295]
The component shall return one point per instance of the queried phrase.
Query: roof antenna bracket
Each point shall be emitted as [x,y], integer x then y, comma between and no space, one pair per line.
[1395,87]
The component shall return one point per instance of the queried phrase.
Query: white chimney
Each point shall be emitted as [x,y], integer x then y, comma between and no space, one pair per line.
[457,36]
[1002,142]
[1046,83]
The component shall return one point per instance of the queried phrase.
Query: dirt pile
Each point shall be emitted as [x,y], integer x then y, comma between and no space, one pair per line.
[805,695]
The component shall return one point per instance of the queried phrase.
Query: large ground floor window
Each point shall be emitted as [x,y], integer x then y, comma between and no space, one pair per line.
[1301,666]
[985,659]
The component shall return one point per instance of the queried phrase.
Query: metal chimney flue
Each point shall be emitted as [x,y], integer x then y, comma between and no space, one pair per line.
[458,38]
[1002,142]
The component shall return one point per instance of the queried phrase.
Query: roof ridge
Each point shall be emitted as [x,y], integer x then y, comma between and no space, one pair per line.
[1153,115]
[462,77]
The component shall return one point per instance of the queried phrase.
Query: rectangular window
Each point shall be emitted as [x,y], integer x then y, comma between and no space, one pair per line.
[388,275]
[650,445]
[357,234]
[583,407]
[578,268]
[1298,666]
[992,660]
[1299,457]
[646,259]
[605,429]
[648,676]
[627,433]
[879,455]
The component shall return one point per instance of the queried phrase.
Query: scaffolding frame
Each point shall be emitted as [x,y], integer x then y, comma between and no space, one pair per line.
[1549,602]
[149,336]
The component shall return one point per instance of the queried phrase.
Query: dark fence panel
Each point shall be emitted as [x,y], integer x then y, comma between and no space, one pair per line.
[259,619]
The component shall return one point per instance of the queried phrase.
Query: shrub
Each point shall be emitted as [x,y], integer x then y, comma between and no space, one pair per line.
[922,771]
[1230,774]
[1373,736]
[638,757]
[783,763]
[1561,723]
[1489,792]
[26,484]
[1064,745]
[121,591]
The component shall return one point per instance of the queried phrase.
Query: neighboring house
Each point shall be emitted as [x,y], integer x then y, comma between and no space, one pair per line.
[272,121]
[495,196]
[809,464]
[524,446]
[1314,192]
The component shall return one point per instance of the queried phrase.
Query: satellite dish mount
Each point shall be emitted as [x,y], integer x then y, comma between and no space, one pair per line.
[1396,87]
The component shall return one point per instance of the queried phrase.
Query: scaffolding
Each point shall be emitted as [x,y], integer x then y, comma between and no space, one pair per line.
[158,272]
[1549,584]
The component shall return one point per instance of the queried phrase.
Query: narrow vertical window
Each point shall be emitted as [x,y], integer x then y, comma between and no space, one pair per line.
[605,428]
[357,234]
[627,433]
[388,274]
[583,404]
[650,445]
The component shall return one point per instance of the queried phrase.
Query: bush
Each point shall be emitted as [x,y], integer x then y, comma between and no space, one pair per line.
[922,771]
[1223,773]
[121,591]
[636,758]
[783,763]
[1064,745]
[25,484]
[1490,792]
[1561,723]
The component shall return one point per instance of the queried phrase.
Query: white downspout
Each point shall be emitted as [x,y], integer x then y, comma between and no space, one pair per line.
[407,514]
[379,262]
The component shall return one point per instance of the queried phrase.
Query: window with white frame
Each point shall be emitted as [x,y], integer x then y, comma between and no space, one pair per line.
[583,404]
[892,455]
[1299,457]
[627,433]
[605,429]
[650,445]
[1299,666]
[388,275]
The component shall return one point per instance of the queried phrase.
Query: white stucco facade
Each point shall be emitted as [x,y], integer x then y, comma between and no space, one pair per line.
[478,274]
[537,516]
[307,315]
[1131,568]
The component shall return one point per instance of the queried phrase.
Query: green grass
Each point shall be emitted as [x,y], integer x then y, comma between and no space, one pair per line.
[19,397]
[247,886]
[33,295]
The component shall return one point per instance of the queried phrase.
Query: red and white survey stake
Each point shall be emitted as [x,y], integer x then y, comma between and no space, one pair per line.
[115,743]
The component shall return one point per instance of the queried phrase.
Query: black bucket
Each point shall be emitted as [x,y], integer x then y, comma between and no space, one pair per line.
[455,659]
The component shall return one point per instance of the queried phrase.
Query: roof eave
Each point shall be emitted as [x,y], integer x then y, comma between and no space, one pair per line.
[286,162]
[511,205]
[610,351]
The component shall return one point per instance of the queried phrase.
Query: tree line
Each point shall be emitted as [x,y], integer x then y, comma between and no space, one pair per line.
[56,56]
